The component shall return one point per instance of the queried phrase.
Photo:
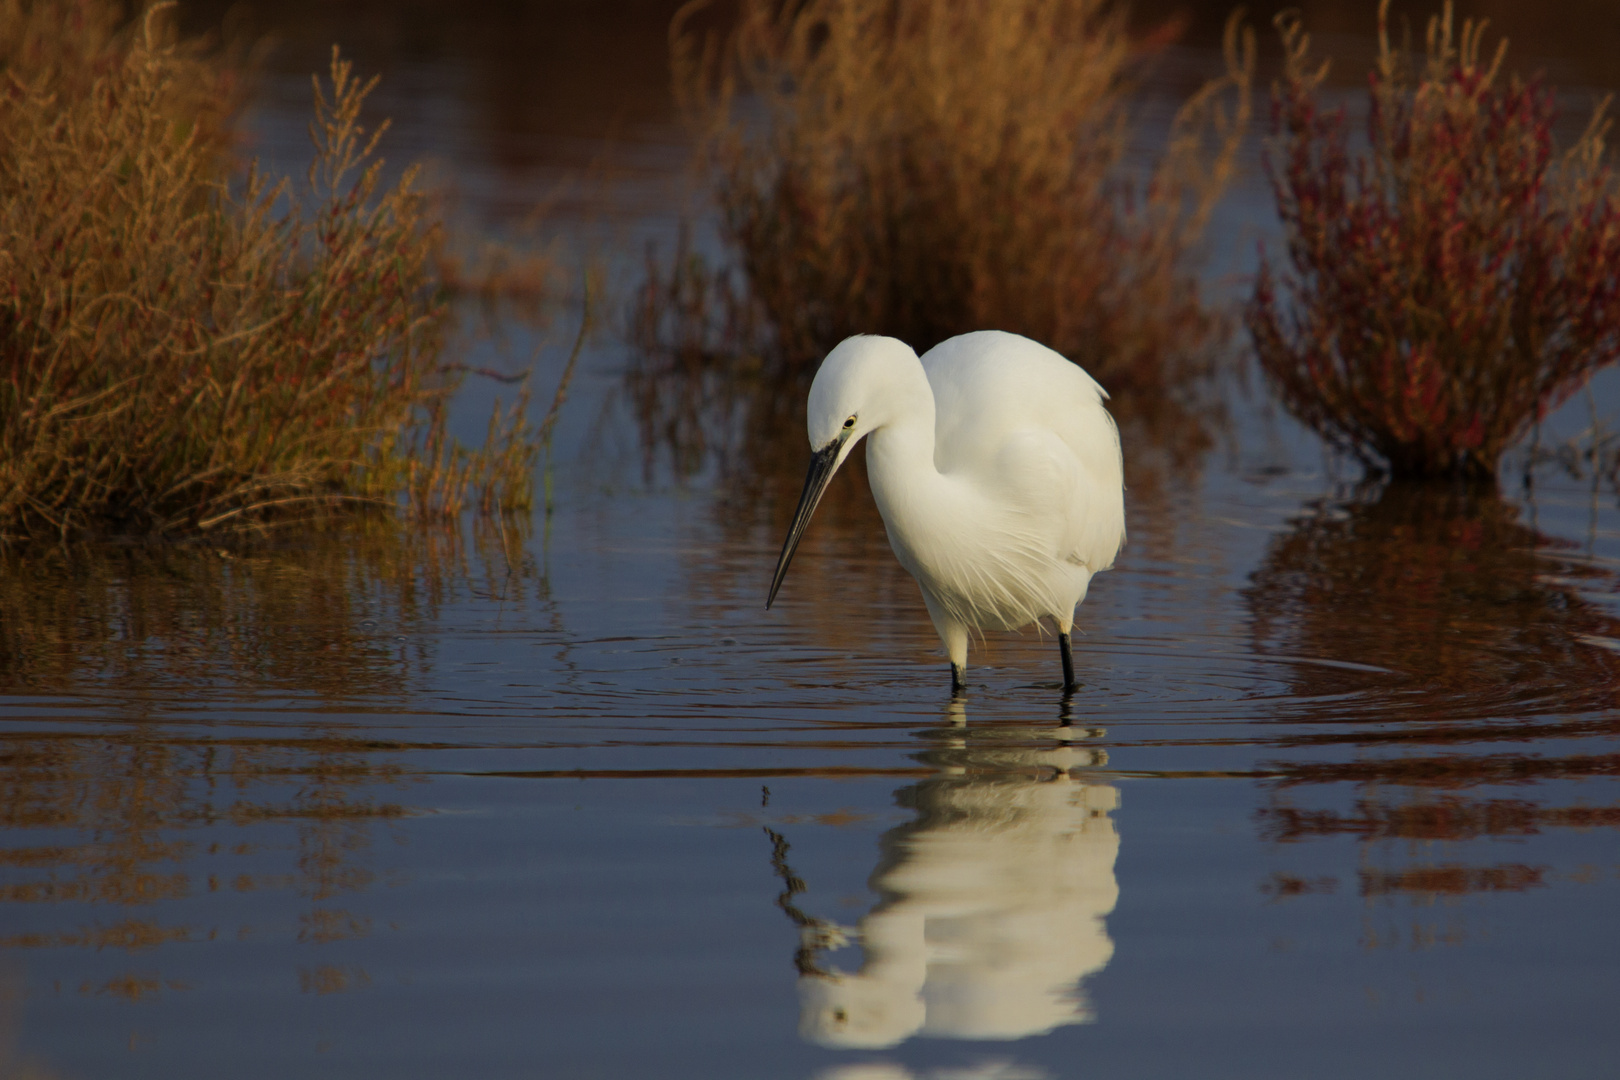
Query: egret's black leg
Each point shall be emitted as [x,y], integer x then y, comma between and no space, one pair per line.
[1069,685]
[958,679]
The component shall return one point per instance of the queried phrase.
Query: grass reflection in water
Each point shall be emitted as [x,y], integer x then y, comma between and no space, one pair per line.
[139,777]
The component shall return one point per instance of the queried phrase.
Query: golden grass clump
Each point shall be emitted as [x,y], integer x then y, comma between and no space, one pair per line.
[185,347]
[921,169]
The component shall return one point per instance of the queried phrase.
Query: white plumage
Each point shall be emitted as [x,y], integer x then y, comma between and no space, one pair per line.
[993,902]
[995,465]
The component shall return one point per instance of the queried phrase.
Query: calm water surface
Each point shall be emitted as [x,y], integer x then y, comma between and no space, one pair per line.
[1338,798]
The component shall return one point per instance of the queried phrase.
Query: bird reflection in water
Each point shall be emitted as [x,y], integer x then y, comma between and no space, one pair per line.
[993,897]
[888,1070]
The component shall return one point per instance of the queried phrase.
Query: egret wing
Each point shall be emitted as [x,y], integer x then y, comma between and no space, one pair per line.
[1031,427]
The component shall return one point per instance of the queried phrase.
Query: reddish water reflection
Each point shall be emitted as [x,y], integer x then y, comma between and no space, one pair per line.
[1502,675]
[1475,617]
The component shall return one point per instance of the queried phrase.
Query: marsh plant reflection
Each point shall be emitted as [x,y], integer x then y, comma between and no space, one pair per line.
[1451,594]
[150,766]
[1495,682]
[317,614]
[992,898]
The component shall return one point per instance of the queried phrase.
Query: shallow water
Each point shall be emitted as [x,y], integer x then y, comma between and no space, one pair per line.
[1338,797]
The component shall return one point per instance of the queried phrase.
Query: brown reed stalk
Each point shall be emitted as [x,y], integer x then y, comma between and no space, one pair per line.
[184,349]
[548,425]
[1453,283]
[922,169]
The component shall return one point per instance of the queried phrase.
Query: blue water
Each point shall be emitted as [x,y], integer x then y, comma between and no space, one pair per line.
[492,821]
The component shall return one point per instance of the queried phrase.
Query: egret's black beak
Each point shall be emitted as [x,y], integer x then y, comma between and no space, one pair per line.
[822,466]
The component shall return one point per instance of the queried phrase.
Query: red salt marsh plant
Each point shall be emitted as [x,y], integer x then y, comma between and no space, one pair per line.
[1453,282]
[922,169]
[186,348]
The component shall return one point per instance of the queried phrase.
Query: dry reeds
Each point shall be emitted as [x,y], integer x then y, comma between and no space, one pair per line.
[181,349]
[921,169]
[1455,282]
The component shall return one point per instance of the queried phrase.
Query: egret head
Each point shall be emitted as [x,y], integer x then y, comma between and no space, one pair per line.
[863,384]
[858,388]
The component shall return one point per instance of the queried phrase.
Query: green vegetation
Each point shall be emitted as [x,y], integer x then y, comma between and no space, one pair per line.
[186,348]
[1453,284]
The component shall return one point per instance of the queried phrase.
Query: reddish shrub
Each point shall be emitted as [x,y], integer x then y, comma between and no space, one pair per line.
[1451,284]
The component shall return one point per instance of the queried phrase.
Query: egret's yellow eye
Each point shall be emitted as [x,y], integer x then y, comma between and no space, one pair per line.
[850,422]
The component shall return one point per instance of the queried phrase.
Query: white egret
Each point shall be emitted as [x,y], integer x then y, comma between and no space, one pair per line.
[995,466]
